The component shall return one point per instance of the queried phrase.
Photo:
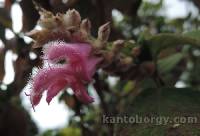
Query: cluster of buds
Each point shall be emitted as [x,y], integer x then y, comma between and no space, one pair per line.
[68,28]
[74,55]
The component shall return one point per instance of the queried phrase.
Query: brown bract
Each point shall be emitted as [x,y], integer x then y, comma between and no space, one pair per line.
[67,27]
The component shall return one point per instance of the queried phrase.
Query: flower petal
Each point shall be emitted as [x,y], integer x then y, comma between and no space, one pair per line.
[54,89]
[85,70]
[91,67]
[46,78]
[55,51]
[81,93]
[35,99]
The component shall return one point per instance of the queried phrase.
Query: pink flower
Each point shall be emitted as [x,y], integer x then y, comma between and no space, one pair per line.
[75,54]
[76,72]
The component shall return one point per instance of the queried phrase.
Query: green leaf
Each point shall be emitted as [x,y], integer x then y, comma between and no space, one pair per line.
[129,86]
[193,34]
[69,131]
[168,63]
[159,42]
[165,102]
[48,133]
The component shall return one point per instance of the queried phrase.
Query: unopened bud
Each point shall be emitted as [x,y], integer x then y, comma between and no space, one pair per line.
[117,45]
[47,19]
[44,14]
[104,32]
[71,18]
[86,26]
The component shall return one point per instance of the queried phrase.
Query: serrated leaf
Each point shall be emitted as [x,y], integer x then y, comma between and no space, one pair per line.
[168,63]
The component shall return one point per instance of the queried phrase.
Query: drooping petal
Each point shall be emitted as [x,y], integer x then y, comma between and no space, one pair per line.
[35,99]
[81,93]
[55,51]
[54,89]
[45,78]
